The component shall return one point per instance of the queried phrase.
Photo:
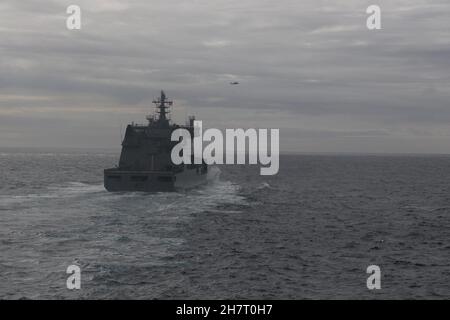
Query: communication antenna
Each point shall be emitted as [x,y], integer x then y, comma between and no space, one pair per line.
[162,104]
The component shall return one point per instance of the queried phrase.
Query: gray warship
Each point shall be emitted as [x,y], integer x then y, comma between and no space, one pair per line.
[145,163]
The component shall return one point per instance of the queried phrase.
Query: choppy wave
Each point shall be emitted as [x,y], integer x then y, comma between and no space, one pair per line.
[109,234]
[309,232]
[215,192]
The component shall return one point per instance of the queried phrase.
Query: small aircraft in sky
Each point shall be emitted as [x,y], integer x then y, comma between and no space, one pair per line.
[234,83]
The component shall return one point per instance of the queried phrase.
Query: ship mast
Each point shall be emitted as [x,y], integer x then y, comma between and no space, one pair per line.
[162,104]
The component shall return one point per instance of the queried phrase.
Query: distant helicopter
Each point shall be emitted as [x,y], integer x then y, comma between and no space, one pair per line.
[234,83]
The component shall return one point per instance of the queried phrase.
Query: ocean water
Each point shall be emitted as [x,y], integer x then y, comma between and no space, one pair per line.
[309,232]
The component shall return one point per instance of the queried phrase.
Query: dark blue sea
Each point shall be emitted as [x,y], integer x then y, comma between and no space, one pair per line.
[309,232]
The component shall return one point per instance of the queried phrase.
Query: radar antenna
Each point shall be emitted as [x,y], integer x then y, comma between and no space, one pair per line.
[162,104]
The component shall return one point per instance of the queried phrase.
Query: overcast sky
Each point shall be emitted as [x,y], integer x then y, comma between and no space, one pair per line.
[308,67]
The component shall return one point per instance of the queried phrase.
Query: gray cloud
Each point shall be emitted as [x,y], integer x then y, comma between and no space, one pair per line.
[310,68]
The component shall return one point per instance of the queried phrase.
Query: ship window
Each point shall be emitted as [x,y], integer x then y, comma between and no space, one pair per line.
[165,178]
[114,177]
[139,178]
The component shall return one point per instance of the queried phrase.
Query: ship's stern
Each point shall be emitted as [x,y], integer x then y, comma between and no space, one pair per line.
[147,181]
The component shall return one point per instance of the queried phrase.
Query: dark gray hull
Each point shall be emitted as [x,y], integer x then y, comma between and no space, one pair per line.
[152,181]
[145,162]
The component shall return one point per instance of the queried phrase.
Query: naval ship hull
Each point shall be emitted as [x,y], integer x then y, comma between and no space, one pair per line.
[116,180]
[145,162]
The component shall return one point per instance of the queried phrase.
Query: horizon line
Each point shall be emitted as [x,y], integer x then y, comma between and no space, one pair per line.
[306,153]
